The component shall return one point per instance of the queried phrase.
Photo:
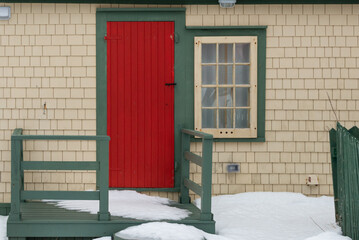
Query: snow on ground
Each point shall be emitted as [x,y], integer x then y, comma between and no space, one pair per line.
[245,216]
[254,216]
[166,231]
[3,220]
[274,216]
[329,236]
[130,204]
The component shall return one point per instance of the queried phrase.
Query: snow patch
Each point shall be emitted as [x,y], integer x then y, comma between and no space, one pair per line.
[102,238]
[3,233]
[166,231]
[129,204]
[329,236]
[274,216]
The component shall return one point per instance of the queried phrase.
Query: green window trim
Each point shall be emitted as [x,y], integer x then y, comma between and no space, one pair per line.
[260,32]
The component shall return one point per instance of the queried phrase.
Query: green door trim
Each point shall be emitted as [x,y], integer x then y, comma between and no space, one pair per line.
[176,15]
[184,70]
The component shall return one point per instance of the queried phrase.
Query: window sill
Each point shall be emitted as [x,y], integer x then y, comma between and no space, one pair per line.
[258,139]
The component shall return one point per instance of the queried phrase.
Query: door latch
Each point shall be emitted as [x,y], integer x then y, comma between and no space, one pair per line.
[170,84]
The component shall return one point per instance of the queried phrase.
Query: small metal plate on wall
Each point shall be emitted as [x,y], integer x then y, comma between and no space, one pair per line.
[233,168]
[5,13]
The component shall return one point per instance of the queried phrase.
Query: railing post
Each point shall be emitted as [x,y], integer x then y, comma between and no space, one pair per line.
[22,177]
[206,200]
[103,155]
[185,146]
[15,180]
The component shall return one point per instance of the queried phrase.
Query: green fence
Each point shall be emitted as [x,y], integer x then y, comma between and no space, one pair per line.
[204,161]
[344,148]
[18,166]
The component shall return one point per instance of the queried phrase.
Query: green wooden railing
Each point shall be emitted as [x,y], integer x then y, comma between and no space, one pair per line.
[204,161]
[344,147]
[18,166]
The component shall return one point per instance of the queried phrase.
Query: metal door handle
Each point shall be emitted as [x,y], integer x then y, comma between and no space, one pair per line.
[170,84]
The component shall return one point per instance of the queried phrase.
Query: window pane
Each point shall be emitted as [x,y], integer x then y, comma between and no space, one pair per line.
[225,97]
[225,118]
[242,97]
[242,52]
[242,118]
[225,74]
[242,74]
[208,74]
[225,53]
[209,98]
[209,118]
[208,53]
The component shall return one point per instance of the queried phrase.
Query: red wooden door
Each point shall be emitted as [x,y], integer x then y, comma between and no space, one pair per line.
[140,114]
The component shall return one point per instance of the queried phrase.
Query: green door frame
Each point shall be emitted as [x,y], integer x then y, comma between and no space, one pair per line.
[184,71]
[181,111]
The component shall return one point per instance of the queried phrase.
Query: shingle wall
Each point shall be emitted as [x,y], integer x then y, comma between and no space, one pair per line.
[47,54]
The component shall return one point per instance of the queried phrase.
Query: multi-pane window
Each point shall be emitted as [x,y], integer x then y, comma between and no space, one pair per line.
[226,86]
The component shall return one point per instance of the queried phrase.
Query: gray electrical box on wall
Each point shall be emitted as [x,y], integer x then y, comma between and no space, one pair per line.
[233,168]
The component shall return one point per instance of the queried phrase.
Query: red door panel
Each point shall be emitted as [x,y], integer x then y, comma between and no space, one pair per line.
[140,114]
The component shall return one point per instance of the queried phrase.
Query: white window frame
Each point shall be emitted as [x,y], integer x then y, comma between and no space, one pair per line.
[250,132]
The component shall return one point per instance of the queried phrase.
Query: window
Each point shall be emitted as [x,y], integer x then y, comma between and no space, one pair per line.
[226,86]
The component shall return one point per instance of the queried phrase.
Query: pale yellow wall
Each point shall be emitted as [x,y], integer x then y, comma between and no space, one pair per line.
[312,50]
[47,54]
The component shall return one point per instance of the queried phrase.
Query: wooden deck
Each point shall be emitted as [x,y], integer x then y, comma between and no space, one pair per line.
[40,219]
[31,218]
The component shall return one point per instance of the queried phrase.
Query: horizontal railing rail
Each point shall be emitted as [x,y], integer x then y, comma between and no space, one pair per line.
[18,165]
[205,161]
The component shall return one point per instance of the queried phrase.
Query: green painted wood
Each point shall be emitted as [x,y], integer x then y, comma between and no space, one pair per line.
[103,151]
[204,191]
[168,2]
[193,186]
[60,137]
[18,166]
[197,134]
[206,200]
[5,209]
[347,178]
[354,131]
[22,177]
[260,32]
[15,176]
[17,132]
[185,147]
[182,109]
[41,165]
[193,158]
[60,195]
[333,153]
[42,219]
[226,27]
